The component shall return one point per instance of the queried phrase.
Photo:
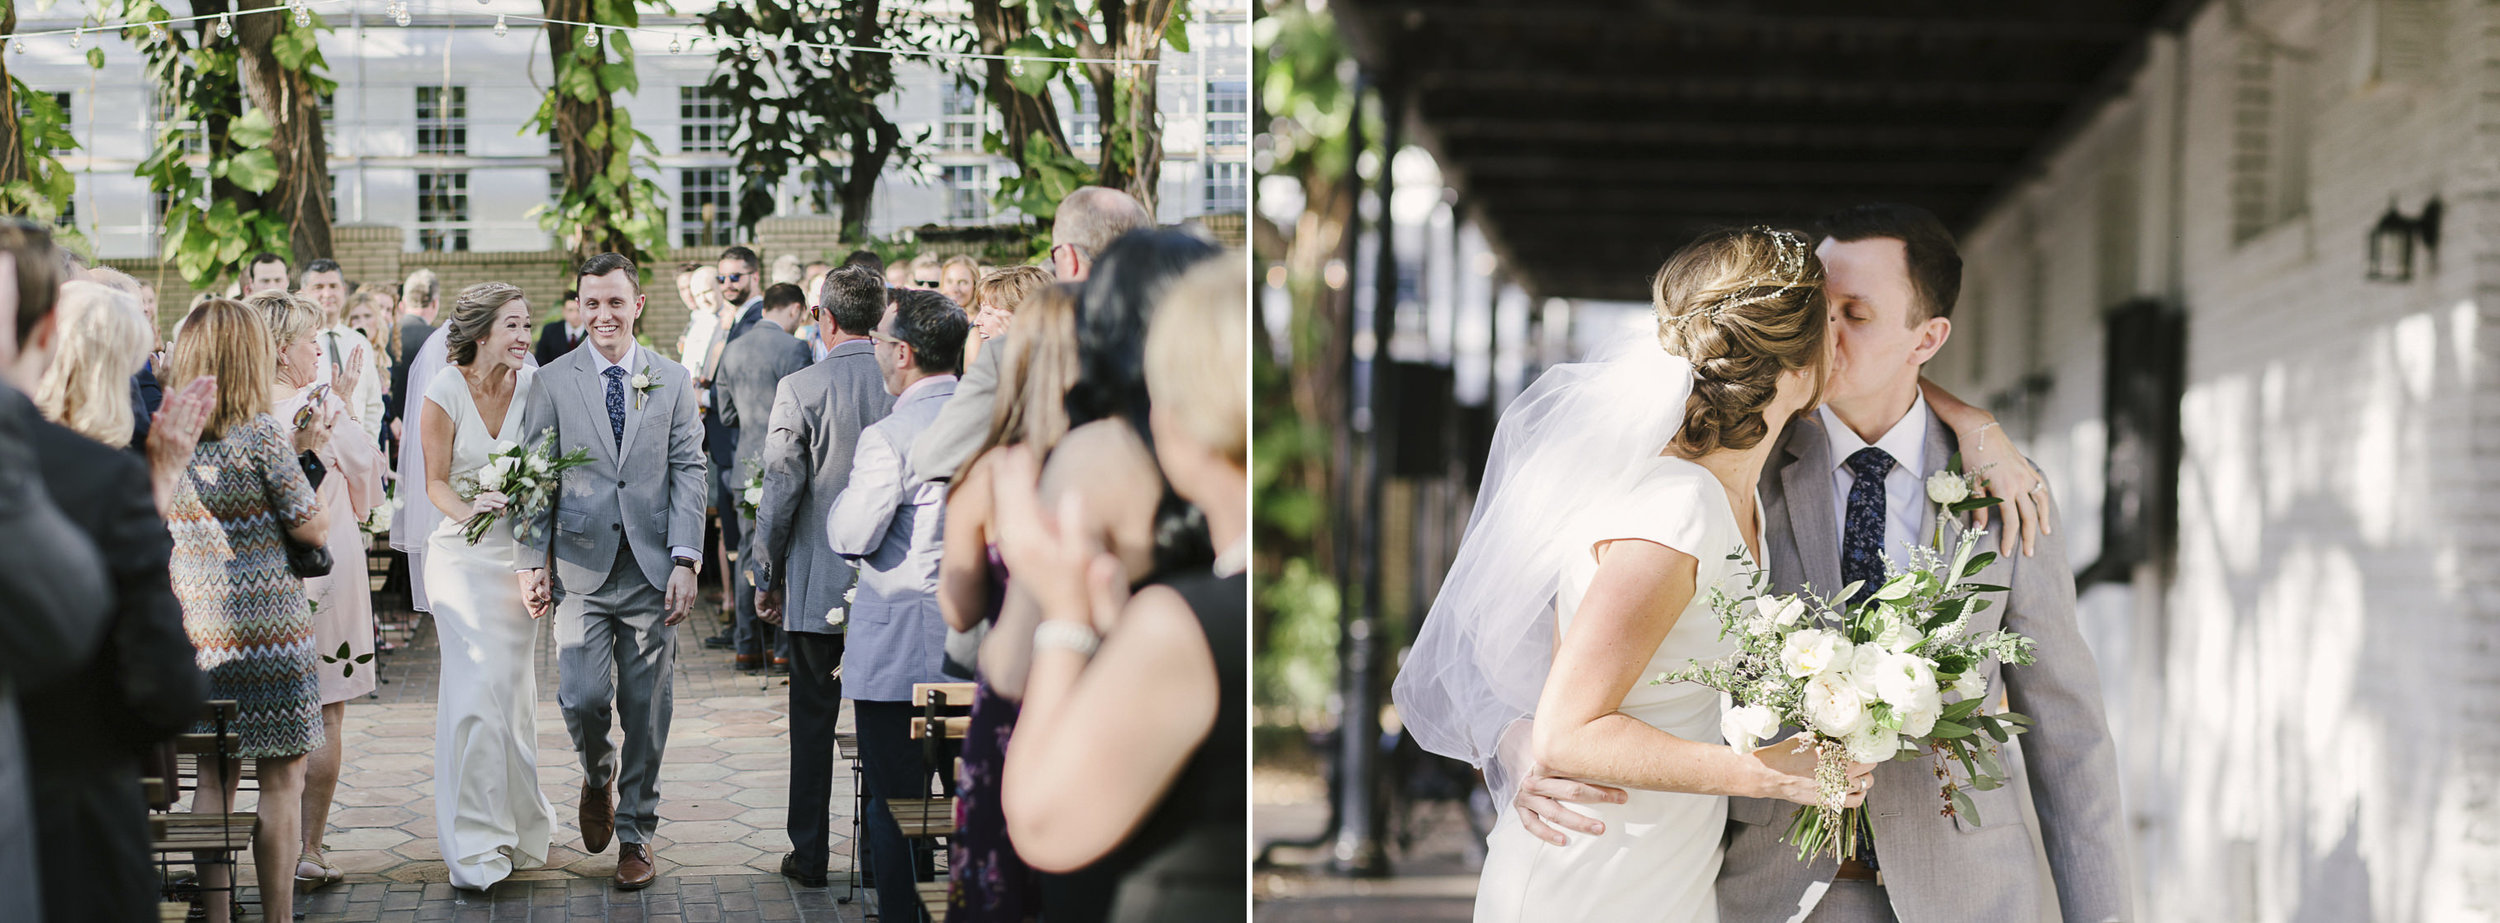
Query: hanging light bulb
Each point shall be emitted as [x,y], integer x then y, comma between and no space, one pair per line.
[156,30]
[225,25]
[755,50]
[590,39]
[1015,66]
[303,18]
[74,37]
[824,56]
[21,46]
[403,17]
[499,26]
[676,44]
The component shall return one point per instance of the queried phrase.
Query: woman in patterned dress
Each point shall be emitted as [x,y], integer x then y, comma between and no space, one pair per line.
[342,603]
[241,497]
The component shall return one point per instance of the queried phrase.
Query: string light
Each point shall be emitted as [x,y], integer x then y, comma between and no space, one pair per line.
[679,41]
[824,56]
[156,30]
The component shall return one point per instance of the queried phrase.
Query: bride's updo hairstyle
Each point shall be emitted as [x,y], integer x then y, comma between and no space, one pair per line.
[1744,306]
[472,315]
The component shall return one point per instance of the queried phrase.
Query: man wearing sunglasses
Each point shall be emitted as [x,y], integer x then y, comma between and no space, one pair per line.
[737,280]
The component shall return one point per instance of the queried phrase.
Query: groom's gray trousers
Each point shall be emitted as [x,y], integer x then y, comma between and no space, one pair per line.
[613,646]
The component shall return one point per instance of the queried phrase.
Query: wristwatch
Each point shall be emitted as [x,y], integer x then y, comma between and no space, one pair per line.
[685,562]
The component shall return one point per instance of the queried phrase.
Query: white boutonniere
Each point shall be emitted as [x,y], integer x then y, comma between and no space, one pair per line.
[643,384]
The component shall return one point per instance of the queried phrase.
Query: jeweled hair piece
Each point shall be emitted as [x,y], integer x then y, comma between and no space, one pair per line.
[1788,248]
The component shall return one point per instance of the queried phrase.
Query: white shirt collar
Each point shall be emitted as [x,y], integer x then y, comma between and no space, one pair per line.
[925,383]
[601,368]
[1906,442]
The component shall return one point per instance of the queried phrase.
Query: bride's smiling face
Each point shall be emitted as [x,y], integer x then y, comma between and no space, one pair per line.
[507,340]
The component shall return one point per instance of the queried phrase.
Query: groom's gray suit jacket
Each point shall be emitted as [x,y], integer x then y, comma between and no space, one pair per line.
[1935,867]
[649,493]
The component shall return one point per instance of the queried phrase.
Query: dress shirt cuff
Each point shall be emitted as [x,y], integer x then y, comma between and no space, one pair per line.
[681,551]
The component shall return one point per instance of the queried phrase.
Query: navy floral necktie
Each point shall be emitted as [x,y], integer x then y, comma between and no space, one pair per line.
[1862,532]
[616,407]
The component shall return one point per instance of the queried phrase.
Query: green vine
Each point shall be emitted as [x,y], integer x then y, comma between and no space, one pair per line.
[39,187]
[610,202]
[213,160]
[795,108]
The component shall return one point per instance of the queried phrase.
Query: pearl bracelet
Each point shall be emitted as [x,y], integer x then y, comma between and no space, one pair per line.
[1067,636]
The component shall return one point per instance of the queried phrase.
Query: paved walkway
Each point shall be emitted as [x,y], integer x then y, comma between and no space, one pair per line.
[724,791]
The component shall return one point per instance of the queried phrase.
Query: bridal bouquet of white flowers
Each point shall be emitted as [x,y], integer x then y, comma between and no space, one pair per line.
[1870,682]
[525,476]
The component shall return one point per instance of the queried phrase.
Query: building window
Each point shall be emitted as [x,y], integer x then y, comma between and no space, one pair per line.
[443,120]
[1228,187]
[555,188]
[704,121]
[1085,124]
[329,125]
[705,211]
[2269,137]
[1213,35]
[1228,112]
[963,121]
[442,210]
[967,193]
[330,195]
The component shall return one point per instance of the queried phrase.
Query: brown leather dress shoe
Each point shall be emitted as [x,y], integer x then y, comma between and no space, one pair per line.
[598,819]
[633,867]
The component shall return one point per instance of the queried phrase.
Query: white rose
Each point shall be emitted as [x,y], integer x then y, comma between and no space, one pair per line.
[1947,488]
[1894,632]
[755,496]
[1860,666]
[1782,611]
[1919,722]
[502,447]
[1834,706]
[1906,681]
[641,381]
[1744,727]
[538,464]
[1809,652]
[1872,744]
[835,616]
[1971,685]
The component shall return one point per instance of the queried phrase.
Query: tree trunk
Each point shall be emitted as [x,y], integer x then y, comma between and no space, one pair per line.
[872,145]
[574,119]
[1021,113]
[12,148]
[302,195]
[1136,33]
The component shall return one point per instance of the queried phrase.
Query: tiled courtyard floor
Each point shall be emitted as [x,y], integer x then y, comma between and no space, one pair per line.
[723,793]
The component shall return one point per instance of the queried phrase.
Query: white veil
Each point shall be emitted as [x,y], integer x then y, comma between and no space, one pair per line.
[417,516]
[1574,439]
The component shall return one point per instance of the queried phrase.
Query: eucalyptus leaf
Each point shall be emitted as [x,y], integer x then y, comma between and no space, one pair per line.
[1963,808]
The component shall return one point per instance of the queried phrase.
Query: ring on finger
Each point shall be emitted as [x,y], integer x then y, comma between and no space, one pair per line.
[2039,488]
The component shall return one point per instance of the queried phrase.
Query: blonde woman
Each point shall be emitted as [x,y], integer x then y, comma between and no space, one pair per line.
[100,344]
[957,277]
[342,602]
[994,302]
[241,496]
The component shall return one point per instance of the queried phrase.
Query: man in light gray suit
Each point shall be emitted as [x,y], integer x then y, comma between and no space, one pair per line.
[1850,482]
[1087,221]
[622,548]
[817,417]
[751,370]
[892,527]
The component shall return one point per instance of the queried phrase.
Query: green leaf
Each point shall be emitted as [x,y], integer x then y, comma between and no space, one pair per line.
[1979,563]
[1985,588]
[1899,586]
[255,170]
[1976,503]
[95,58]
[1963,808]
[251,131]
[1949,730]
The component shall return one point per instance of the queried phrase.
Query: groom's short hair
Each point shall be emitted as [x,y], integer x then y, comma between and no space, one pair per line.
[605,263]
[1935,264]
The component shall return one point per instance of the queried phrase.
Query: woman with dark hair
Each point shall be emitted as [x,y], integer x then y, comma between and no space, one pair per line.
[243,495]
[490,816]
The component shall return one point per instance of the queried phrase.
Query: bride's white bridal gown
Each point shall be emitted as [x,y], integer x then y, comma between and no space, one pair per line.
[490,816]
[1659,857]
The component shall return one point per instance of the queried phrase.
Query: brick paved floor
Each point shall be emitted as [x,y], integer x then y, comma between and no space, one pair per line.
[723,793]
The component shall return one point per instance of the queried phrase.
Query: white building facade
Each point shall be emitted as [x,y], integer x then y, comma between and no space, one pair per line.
[2305,686]
[427,129]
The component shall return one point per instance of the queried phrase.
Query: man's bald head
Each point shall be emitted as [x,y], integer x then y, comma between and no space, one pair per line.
[1088,220]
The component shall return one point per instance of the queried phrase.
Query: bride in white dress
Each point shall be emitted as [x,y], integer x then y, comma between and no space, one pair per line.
[490,816]
[1616,492]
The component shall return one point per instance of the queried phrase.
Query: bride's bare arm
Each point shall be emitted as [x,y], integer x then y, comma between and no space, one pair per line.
[1581,732]
[438,435]
[2004,473]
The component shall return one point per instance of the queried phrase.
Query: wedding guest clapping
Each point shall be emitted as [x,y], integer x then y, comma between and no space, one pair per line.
[243,497]
[342,601]
[1125,758]
[994,301]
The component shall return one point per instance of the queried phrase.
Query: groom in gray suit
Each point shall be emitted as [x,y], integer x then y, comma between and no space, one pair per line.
[1849,481]
[626,527]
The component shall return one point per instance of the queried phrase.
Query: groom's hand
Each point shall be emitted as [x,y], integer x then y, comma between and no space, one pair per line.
[534,593]
[1540,803]
[768,606]
[680,596]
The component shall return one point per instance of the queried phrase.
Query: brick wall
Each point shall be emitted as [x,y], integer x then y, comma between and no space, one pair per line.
[2306,692]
